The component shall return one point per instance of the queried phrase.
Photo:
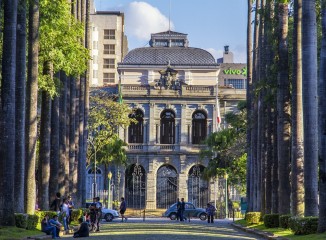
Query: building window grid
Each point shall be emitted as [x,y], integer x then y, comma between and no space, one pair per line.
[108,63]
[236,83]
[109,49]
[108,78]
[109,34]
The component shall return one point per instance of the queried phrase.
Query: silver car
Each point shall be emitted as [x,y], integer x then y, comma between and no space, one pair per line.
[109,214]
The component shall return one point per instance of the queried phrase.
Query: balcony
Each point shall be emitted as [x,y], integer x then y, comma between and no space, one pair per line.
[139,147]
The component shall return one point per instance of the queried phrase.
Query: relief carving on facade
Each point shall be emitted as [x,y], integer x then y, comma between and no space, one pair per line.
[168,79]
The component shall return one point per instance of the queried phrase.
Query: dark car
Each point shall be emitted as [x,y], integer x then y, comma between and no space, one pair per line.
[190,211]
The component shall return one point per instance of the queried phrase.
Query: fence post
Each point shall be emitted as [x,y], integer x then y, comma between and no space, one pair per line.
[144,216]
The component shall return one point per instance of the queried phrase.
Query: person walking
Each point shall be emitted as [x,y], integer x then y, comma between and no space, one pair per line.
[182,209]
[123,208]
[210,210]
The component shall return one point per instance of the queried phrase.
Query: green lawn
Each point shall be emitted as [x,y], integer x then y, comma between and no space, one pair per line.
[287,233]
[17,233]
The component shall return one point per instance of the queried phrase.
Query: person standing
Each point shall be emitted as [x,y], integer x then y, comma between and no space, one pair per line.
[65,214]
[123,208]
[55,205]
[178,209]
[210,210]
[98,213]
[71,207]
[182,209]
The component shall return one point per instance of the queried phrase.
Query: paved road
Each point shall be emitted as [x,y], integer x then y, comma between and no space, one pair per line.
[165,229]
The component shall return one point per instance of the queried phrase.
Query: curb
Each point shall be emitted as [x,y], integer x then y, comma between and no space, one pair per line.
[266,235]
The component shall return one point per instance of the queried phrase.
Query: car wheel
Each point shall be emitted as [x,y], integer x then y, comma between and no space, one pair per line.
[203,216]
[108,217]
[173,216]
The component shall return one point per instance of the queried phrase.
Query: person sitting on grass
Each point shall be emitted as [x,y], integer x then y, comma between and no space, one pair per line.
[55,223]
[47,228]
[83,230]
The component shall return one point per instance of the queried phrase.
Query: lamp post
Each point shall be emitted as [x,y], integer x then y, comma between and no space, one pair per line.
[91,141]
[109,188]
[226,195]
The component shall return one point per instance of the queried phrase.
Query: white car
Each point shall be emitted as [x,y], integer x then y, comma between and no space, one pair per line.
[109,214]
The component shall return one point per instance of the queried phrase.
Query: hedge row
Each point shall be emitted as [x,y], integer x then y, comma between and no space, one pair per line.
[298,225]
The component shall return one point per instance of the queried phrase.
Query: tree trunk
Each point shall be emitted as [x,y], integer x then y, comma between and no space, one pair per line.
[20,108]
[309,84]
[249,97]
[322,127]
[7,115]
[297,187]
[62,132]
[283,110]
[72,129]
[55,149]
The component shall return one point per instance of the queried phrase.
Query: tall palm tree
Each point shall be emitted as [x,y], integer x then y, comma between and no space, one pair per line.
[309,84]
[297,187]
[322,127]
[249,95]
[7,114]
[62,132]
[283,110]
[20,108]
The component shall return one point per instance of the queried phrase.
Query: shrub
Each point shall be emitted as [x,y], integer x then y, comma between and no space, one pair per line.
[76,214]
[284,221]
[41,215]
[21,220]
[32,221]
[271,220]
[304,225]
[253,217]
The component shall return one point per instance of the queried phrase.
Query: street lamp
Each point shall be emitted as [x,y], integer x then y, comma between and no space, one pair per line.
[226,195]
[109,188]
[91,141]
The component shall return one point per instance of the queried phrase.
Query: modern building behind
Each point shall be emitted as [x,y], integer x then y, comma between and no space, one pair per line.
[108,46]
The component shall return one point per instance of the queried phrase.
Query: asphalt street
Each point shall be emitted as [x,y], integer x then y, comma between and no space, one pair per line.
[165,229]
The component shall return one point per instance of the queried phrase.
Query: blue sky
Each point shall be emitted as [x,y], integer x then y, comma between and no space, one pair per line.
[210,24]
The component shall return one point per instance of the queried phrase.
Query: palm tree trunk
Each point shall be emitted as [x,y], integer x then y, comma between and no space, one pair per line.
[283,110]
[7,115]
[309,84]
[72,129]
[297,187]
[249,96]
[62,132]
[20,108]
[55,143]
[322,127]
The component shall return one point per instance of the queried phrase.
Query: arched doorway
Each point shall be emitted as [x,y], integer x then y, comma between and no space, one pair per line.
[166,186]
[197,187]
[135,186]
[90,181]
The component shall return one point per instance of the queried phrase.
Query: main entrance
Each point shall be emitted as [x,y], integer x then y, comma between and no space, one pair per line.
[135,190]
[197,187]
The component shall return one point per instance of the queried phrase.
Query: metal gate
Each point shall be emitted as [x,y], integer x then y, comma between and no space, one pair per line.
[135,186]
[167,186]
[197,187]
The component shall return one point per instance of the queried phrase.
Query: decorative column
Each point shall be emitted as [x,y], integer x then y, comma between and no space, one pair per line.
[184,129]
[152,127]
[151,187]
[183,177]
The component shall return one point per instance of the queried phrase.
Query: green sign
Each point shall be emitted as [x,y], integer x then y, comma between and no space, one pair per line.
[231,71]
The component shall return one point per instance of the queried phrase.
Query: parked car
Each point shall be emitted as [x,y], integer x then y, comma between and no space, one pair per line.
[190,211]
[107,214]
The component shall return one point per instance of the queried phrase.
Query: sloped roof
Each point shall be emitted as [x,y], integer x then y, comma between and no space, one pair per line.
[162,55]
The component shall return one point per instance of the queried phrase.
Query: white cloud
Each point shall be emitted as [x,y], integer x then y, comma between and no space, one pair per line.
[239,53]
[142,19]
[216,53]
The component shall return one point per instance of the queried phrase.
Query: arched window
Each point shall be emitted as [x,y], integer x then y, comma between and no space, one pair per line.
[198,192]
[136,130]
[199,127]
[167,127]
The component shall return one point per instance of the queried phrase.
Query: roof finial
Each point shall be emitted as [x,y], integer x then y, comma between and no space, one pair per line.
[169,65]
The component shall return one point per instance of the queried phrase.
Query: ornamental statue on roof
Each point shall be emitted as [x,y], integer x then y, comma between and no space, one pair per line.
[168,79]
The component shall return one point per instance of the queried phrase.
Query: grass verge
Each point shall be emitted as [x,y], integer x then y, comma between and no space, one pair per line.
[7,233]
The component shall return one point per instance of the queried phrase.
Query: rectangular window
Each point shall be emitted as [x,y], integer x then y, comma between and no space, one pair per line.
[235,83]
[109,34]
[108,78]
[95,59]
[109,63]
[109,49]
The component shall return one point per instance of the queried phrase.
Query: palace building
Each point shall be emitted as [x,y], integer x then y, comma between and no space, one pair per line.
[173,90]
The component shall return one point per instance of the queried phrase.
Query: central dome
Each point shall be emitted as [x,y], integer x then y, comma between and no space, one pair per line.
[174,55]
